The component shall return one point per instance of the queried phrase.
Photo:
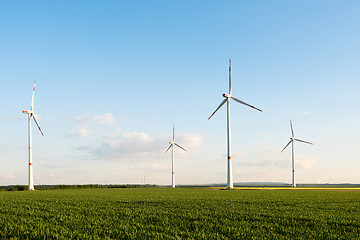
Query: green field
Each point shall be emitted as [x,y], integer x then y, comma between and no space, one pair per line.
[195,213]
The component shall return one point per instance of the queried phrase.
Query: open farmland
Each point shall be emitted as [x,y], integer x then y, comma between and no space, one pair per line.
[199,213]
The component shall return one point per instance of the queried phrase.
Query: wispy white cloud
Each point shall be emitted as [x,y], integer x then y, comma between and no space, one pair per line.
[262,155]
[8,176]
[160,167]
[192,142]
[143,137]
[53,175]
[139,146]
[306,161]
[85,132]
[128,147]
[80,133]
[237,154]
[85,121]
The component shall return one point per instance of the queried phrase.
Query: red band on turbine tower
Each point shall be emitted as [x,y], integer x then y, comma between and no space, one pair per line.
[172,172]
[293,170]
[229,157]
[30,164]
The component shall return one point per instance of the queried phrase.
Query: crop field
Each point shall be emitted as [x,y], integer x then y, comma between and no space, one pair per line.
[182,213]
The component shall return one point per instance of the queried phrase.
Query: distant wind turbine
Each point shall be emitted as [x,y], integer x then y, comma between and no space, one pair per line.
[31,114]
[173,155]
[227,99]
[292,139]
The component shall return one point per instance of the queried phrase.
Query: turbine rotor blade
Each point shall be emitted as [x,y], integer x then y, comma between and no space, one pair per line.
[239,101]
[33,116]
[222,103]
[180,147]
[230,76]
[173,133]
[292,130]
[286,146]
[303,141]
[168,148]
[32,100]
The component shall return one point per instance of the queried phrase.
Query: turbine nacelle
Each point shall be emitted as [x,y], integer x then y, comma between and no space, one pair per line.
[226,95]
[27,111]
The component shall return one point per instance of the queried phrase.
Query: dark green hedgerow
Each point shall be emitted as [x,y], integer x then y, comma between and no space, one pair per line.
[184,213]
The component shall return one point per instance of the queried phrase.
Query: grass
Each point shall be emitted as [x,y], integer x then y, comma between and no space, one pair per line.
[183,213]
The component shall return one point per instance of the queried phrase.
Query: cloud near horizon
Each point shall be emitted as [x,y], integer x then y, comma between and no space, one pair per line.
[85,119]
[8,176]
[139,147]
[84,122]
[306,161]
[263,155]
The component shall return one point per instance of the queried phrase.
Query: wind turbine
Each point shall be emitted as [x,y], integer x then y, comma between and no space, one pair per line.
[227,100]
[292,139]
[31,114]
[172,144]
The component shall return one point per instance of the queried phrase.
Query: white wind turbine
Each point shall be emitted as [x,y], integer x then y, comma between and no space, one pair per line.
[172,163]
[227,100]
[292,139]
[31,114]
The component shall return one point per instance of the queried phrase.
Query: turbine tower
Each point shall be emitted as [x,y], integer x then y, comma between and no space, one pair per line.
[227,100]
[31,114]
[292,139]
[173,156]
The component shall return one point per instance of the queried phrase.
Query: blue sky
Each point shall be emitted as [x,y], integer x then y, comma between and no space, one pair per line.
[113,77]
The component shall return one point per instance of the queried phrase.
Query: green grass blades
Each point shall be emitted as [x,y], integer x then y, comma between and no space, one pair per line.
[182,213]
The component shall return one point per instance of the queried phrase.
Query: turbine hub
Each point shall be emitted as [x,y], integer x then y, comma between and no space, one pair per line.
[226,95]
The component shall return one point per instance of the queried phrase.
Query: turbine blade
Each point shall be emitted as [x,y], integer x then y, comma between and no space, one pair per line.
[180,147]
[292,130]
[168,148]
[222,103]
[286,146]
[32,100]
[33,115]
[173,132]
[230,76]
[239,101]
[303,141]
